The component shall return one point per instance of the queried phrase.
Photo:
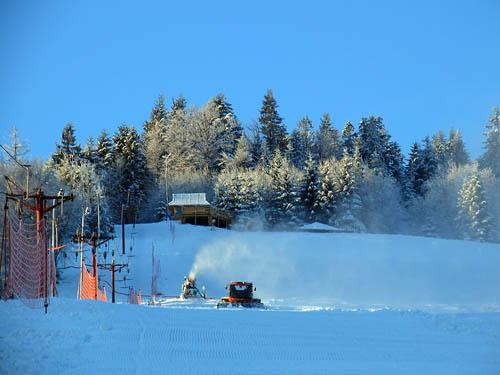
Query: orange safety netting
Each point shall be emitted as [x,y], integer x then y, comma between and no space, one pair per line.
[89,288]
[134,297]
[30,268]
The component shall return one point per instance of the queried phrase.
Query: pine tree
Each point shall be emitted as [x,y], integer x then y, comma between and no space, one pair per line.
[491,156]
[348,137]
[456,149]
[154,138]
[301,141]
[249,214]
[227,191]
[104,151]
[158,114]
[369,136]
[309,195]
[273,216]
[327,141]
[473,210]
[282,210]
[256,147]
[105,168]
[421,168]
[327,192]
[249,197]
[68,149]
[242,157]
[236,192]
[375,144]
[394,161]
[357,161]
[348,201]
[130,170]
[439,147]
[177,137]
[178,105]
[428,159]
[376,162]
[89,151]
[415,174]
[272,126]
[232,127]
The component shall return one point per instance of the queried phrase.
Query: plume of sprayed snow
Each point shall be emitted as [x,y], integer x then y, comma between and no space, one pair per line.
[233,259]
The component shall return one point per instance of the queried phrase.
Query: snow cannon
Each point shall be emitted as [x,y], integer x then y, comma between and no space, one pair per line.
[240,294]
[190,290]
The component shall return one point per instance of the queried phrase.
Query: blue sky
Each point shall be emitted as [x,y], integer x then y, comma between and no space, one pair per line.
[421,65]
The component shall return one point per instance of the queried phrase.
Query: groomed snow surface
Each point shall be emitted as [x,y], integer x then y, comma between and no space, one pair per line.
[337,303]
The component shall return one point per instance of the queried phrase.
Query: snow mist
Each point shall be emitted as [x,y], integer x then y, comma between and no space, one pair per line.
[352,270]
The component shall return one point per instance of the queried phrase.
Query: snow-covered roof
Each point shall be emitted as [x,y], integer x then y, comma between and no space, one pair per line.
[319,227]
[189,199]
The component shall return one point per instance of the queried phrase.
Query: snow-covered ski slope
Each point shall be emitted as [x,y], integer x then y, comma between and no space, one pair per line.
[96,338]
[339,303]
[338,270]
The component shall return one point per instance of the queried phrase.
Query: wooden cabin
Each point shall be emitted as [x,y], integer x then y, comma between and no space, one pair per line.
[193,208]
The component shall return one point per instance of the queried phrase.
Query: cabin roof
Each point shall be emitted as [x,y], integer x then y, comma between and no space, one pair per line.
[189,199]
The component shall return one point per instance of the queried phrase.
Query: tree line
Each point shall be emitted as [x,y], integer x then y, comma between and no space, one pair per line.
[354,178]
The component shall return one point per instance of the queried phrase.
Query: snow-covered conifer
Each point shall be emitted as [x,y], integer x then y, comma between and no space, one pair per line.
[327,191]
[393,159]
[301,142]
[158,114]
[491,156]
[154,138]
[474,216]
[242,157]
[457,154]
[348,137]
[420,168]
[348,202]
[232,126]
[439,147]
[327,143]
[68,148]
[282,209]
[104,151]
[130,168]
[372,138]
[272,127]
[177,140]
[256,147]
[227,189]
[309,195]
[89,151]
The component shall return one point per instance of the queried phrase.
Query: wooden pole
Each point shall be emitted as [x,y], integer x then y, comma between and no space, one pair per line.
[3,251]
[94,265]
[98,216]
[53,246]
[7,275]
[113,277]
[39,209]
[27,167]
[80,248]
[123,234]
